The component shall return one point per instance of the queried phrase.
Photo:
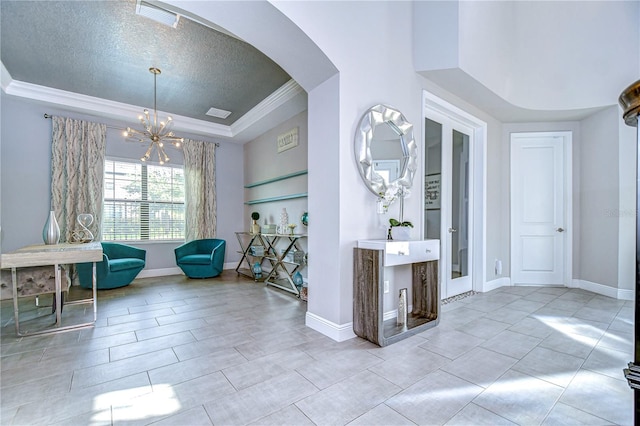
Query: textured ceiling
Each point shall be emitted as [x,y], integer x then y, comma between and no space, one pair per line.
[103,49]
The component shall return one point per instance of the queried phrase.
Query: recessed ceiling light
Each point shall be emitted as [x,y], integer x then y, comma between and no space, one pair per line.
[218,113]
[157,14]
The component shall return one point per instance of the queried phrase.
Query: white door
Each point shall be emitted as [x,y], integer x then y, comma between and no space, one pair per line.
[538,213]
[448,199]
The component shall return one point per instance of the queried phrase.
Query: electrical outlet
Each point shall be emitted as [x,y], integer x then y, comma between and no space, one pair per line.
[386,286]
[498,267]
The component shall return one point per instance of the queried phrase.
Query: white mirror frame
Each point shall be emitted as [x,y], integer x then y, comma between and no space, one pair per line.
[383,114]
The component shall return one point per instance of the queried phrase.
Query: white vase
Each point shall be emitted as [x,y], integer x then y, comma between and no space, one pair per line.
[401,233]
[51,230]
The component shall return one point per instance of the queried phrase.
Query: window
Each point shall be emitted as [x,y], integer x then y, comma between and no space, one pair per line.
[142,202]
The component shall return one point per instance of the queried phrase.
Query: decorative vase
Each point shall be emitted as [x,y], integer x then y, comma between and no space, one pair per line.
[400,233]
[402,307]
[255,227]
[51,230]
[305,218]
[284,221]
[257,270]
[298,280]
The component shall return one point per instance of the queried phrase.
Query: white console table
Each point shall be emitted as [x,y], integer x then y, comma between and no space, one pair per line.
[371,257]
[55,255]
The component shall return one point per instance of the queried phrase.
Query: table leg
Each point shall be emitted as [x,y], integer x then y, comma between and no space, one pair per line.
[16,313]
[95,293]
[58,276]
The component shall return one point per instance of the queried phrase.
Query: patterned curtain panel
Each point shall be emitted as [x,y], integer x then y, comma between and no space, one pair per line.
[77,173]
[200,189]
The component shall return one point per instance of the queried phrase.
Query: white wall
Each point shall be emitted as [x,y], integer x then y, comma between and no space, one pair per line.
[26,178]
[537,55]
[369,73]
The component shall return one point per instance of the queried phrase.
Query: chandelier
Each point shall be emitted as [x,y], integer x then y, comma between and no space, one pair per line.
[155,132]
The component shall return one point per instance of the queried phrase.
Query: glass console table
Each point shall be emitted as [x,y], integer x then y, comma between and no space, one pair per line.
[282,251]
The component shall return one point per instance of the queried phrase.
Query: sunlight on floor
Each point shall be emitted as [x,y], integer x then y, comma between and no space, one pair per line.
[580,332]
[128,404]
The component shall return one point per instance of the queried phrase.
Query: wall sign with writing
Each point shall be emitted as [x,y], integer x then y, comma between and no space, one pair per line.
[288,140]
[432,192]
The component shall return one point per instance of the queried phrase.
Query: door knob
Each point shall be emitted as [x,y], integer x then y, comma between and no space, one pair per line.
[452,230]
[560,230]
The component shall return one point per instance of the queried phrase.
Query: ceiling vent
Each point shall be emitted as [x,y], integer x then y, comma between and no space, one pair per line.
[218,113]
[162,16]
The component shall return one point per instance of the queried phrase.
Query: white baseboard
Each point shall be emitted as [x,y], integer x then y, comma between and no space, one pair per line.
[149,273]
[337,332]
[605,290]
[497,283]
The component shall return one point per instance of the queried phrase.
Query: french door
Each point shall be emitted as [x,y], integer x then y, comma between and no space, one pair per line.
[449,199]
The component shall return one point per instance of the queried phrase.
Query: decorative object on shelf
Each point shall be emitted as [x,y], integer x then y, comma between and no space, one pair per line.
[298,280]
[305,218]
[83,235]
[269,229]
[256,250]
[155,132]
[257,270]
[402,307]
[399,230]
[255,227]
[284,221]
[291,227]
[51,230]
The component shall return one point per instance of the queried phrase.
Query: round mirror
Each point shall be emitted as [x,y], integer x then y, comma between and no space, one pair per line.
[386,151]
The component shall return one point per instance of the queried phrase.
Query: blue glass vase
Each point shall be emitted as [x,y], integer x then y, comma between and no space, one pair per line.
[297,280]
[257,270]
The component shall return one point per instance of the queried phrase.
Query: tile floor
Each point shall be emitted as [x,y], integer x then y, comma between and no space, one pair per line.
[227,351]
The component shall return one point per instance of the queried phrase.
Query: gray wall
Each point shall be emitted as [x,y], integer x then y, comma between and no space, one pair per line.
[599,198]
[263,162]
[25,156]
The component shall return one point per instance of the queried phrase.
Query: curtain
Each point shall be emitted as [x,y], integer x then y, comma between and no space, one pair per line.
[200,189]
[77,173]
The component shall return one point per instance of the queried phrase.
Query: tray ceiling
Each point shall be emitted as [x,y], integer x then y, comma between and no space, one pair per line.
[104,49]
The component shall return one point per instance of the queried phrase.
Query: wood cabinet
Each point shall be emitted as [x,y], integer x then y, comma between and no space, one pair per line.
[371,257]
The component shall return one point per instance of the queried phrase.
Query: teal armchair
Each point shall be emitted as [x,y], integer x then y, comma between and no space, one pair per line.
[120,265]
[201,258]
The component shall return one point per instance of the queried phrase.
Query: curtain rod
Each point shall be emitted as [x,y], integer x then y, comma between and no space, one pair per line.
[112,127]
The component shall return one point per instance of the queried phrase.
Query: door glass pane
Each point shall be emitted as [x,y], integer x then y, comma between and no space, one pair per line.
[460,206]
[433,170]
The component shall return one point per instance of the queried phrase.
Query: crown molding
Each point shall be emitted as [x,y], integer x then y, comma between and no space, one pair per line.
[285,93]
[106,108]
[5,77]
[127,113]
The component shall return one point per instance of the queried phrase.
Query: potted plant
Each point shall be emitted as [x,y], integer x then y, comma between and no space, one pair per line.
[399,230]
[255,227]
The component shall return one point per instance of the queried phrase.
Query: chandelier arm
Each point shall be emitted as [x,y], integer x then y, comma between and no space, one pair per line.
[154,132]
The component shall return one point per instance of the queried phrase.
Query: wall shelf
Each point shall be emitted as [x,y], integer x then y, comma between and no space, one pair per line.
[276,179]
[278,198]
